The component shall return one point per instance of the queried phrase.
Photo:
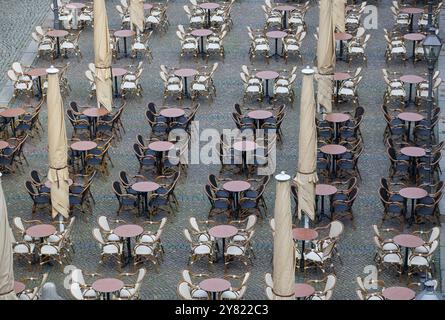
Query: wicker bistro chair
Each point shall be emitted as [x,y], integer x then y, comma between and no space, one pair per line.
[422,262]
[327,285]
[199,249]
[40,200]
[388,258]
[239,250]
[109,250]
[140,46]
[21,86]
[127,201]
[343,208]
[319,257]
[70,43]
[189,45]
[35,285]
[146,252]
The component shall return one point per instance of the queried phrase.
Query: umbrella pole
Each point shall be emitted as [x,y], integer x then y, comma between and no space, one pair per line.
[61,225]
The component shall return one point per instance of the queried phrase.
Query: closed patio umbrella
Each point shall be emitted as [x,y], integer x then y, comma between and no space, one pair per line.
[58,173]
[6,259]
[102,56]
[306,177]
[339,15]
[283,246]
[136,9]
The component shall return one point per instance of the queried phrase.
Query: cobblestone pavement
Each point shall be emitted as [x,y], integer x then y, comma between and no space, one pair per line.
[18,19]
[356,246]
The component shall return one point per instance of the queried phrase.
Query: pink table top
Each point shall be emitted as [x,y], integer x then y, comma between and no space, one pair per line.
[117,72]
[57,33]
[48,183]
[343,36]
[260,114]
[83,145]
[95,112]
[107,285]
[276,34]
[161,146]
[325,189]
[223,231]
[3,144]
[267,75]
[148,6]
[412,79]
[75,5]
[12,112]
[185,72]
[128,230]
[341,76]
[413,193]
[408,240]
[215,285]
[124,33]
[413,151]
[410,116]
[236,186]
[411,10]
[334,149]
[285,8]
[172,112]
[414,36]
[303,290]
[201,32]
[245,145]
[145,186]
[19,287]
[36,72]
[41,230]
[337,117]
[304,234]
[398,293]
[208,5]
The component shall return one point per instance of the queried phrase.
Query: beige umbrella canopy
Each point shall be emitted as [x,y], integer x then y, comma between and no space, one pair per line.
[102,56]
[136,9]
[58,173]
[283,246]
[339,15]
[307,148]
[6,259]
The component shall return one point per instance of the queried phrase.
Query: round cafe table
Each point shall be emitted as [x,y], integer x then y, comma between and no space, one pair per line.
[276,34]
[398,293]
[128,231]
[339,77]
[222,232]
[208,6]
[201,33]
[413,153]
[259,116]
[285,9]
[3,145]
[414,37]
[37,73]
[334,150]
[74,7]
[124,34]
[12,113]
[411,11]
[19,287]
[172,113]
[235,187]
[144,187]
[57,34]
[41,231]
[267,75]
[244,147]
[106,286]
[214,286]
[148,6]
[93,114]
[185,73]
[303,290]
[337,118]
[83,147]
[324,190]
[117,72]
[342,36]
[408,241]
[413,193]
[160,147]
[303,235]
[410,117]
[411,79]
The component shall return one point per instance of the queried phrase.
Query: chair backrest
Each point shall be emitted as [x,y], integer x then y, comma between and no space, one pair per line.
[141,275]
[18,223]
[269,293]
[184,291]
[186,276]
[435,234]
[187,235]
[17,67]
[98,236]
[272,224]
[330,282]
[336,229]
[361,284]
[12,76]
[77,277]
[194,224]
[268,279]
[103,223]
[76,291]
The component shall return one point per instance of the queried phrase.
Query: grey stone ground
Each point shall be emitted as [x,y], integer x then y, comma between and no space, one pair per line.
[356,246]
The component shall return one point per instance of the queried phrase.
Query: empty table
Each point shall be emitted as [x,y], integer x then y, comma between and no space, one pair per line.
[303,235]
[260,115]
[411,11]
[323,190]
[160,147]
[398,293]
[408,241]
[411,79]
[267,75]
[276,35]
[410,117]
[208,6]
[41,231]
[284,9]
[342,36]
[303,290]
[107,286]
[338,78]
[172,113]
[37,73]
[185,73]
[244,147]
[414,37]
[124,34]
[128,231]
[93,114]
[413,193]
[235,187]
[201,33]
[214,286]
[144,188]
[117,72]
[74,7]
[57,34]
[19,287]
[413,153]
[337,118]
[333,150]
[12,113]
[83,147]
[223,231]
